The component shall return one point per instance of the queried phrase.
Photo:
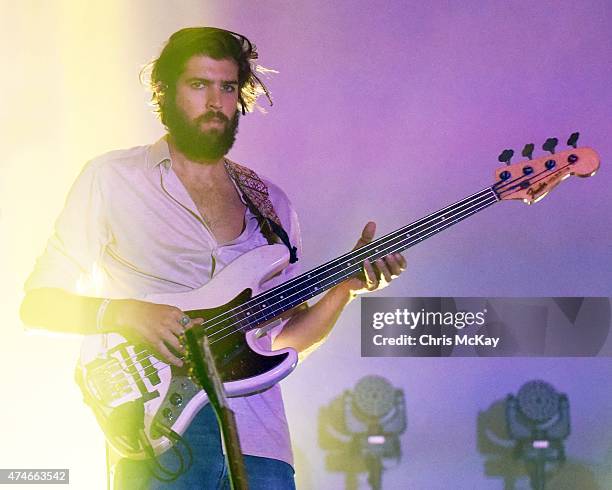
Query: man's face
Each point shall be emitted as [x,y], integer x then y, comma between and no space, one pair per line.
[203,117]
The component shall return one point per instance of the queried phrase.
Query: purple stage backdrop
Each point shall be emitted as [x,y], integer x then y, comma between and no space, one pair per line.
[386,111]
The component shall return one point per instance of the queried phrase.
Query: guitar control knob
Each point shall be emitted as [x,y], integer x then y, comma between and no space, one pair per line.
[176,399]
[168,415]
[527,170]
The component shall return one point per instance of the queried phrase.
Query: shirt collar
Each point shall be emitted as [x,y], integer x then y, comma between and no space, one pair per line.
[159,153]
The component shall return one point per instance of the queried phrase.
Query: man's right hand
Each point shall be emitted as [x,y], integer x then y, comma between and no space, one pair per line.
[157,325]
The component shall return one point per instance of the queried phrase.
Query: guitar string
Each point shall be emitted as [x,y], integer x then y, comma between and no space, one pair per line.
[339,261]
[400,246]
[303,278]
[496,194]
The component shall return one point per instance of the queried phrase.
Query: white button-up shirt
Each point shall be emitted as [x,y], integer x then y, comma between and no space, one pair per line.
[129,228]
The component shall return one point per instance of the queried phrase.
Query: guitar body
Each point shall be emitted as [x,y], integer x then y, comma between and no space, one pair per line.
[127,387]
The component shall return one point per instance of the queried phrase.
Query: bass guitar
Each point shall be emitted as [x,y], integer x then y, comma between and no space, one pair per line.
[127,386]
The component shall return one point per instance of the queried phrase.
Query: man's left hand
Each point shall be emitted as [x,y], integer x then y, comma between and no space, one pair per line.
[378,274]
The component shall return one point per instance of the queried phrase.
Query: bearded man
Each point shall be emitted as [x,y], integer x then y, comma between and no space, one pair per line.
[167,218]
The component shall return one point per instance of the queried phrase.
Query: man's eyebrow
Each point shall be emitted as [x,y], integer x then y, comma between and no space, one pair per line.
[200,79]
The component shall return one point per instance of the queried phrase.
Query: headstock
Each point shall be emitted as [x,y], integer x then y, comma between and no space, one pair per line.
[530,180]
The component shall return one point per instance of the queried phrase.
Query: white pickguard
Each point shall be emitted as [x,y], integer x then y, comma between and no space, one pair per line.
[255,270]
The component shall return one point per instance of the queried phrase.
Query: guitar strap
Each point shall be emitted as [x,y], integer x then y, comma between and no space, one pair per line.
[257,198]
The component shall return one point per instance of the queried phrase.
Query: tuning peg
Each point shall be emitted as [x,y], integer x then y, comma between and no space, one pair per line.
[573,139]
[505,156]
[549,145]
[528,151]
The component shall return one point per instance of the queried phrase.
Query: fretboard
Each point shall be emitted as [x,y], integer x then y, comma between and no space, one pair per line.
[274,302]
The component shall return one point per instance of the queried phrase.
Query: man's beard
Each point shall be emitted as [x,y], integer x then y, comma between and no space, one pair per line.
[196,144]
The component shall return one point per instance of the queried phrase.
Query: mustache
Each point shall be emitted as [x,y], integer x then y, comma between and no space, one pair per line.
[210,115]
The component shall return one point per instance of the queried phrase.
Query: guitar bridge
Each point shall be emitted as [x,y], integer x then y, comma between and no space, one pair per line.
[109,383]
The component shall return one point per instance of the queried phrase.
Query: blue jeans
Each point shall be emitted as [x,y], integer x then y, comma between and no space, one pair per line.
[209,469]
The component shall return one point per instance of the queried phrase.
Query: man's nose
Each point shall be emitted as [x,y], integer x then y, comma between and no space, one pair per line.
[213,98]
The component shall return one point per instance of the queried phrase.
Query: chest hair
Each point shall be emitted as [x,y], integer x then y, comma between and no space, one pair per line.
[220,207]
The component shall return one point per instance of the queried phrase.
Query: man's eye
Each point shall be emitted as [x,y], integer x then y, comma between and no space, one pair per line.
[198,84]
[229,88]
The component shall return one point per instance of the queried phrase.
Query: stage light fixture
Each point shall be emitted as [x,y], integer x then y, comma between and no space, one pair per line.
[538,419]
[360,429]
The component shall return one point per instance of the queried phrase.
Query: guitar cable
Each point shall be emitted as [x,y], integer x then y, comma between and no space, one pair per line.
[153,463]
[127,421]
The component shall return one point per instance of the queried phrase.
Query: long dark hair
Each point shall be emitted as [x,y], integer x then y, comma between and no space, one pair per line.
[162,73]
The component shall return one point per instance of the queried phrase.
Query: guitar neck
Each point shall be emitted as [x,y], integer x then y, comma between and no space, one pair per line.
[292,293]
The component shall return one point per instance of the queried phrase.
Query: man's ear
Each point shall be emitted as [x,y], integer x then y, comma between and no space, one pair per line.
[160,93]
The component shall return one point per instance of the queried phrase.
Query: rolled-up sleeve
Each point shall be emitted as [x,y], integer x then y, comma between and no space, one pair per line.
[79,237]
